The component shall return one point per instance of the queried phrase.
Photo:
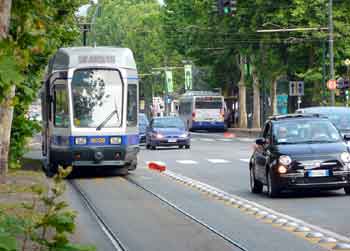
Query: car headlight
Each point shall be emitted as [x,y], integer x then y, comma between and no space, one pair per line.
[80,140]
[159,136]
[345,157]
[115,140]
[285,160]
[184,135]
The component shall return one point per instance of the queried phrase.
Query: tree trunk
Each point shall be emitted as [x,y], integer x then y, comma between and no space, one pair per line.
[6,108]
[256,101]
[5,13]
[242,96]
[274,96]
[6,113]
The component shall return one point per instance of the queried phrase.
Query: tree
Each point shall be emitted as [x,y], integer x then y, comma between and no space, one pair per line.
[32,38]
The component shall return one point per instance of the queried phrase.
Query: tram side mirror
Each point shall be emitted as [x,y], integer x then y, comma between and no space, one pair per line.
[260,141]
[346,137]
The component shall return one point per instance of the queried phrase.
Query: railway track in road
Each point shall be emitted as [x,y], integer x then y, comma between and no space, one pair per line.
[113,237]
[106,229]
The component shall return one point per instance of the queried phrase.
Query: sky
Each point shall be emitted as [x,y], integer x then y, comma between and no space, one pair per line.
[83,9]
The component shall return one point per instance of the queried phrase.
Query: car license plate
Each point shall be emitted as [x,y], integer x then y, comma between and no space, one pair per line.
[172,140]
[318,173]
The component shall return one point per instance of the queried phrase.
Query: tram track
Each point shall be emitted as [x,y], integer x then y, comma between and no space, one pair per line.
[107,230]
[113,237]
[188,215]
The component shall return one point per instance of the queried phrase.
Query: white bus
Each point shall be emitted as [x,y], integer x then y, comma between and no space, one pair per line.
[202,110]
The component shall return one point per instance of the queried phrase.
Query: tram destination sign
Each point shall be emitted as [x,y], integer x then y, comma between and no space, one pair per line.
[97,59]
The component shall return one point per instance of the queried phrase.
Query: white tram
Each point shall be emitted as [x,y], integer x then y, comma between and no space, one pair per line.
[90,109]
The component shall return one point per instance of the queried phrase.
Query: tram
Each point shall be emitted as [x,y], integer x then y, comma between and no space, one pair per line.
[90,109]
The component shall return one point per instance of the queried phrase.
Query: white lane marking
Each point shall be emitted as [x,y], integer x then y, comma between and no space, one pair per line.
[187,162]
[245,160]
[207,140]
[225,140]
[246,140]
[241,200]
[218,161]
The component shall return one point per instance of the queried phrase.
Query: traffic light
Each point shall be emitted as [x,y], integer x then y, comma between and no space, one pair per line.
[227,7]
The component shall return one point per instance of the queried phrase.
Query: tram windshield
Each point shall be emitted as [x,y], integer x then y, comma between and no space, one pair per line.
[97,98]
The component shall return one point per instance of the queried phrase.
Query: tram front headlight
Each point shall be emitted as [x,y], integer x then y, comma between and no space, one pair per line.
[115,140]
[80,140]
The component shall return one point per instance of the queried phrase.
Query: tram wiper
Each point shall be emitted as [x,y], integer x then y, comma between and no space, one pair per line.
[115,111]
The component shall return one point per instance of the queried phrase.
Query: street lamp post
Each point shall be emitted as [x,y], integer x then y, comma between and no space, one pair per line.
[331,47]
[347,64]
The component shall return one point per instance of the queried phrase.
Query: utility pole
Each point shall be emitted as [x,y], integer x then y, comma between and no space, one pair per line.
[331,47]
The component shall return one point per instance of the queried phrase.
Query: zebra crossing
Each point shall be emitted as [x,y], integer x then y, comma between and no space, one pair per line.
[195,162]
[228,140]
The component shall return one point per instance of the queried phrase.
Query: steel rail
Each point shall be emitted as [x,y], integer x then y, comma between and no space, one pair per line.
[172,205]
[116,242]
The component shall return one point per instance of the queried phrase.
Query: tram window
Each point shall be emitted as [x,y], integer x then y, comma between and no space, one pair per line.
[132,105]
[97,97]
[61,114]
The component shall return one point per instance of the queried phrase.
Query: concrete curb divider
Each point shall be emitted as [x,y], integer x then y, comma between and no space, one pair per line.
[313,234]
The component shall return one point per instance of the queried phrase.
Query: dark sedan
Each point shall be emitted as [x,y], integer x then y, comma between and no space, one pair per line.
[339,116]
[143,124]
[167,131]
[299,151]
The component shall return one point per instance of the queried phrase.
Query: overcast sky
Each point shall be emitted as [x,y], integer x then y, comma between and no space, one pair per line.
[83,9]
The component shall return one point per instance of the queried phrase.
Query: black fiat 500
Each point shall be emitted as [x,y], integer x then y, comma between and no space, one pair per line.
[299,151]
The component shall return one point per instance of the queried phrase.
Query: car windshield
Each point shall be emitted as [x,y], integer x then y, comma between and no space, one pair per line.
[302,131]
[168,123]
[97,95]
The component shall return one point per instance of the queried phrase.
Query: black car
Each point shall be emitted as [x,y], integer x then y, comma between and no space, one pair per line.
[299,151]
[339,116]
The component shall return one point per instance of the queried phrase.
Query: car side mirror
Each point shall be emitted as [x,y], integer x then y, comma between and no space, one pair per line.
[260,141]
[346,137]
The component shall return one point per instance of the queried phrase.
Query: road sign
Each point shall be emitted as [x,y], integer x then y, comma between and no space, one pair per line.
[188,77]
[296,88]
[169,81]
[332,84]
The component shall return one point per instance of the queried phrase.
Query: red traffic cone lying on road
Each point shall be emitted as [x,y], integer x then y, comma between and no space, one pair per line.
[157,165]
[229,135]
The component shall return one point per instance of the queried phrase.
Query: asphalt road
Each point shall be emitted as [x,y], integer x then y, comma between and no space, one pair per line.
[229,172]
[143,222]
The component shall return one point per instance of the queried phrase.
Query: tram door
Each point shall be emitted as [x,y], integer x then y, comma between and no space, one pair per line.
[55,114]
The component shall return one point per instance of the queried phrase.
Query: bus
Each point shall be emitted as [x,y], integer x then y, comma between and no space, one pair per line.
[202,110]
[90,109]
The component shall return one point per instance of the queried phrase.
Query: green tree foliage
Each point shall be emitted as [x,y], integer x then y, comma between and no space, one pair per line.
[37,29]
[196,30]
[138,26]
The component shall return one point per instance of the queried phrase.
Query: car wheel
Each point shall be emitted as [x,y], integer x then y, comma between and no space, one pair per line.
[153,147]
[255,185]
[148,146]
[272,190]
[347,190]
[187,146]
[181,146]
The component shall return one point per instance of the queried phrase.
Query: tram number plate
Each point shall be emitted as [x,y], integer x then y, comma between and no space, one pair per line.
[318,173]
[98,140]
